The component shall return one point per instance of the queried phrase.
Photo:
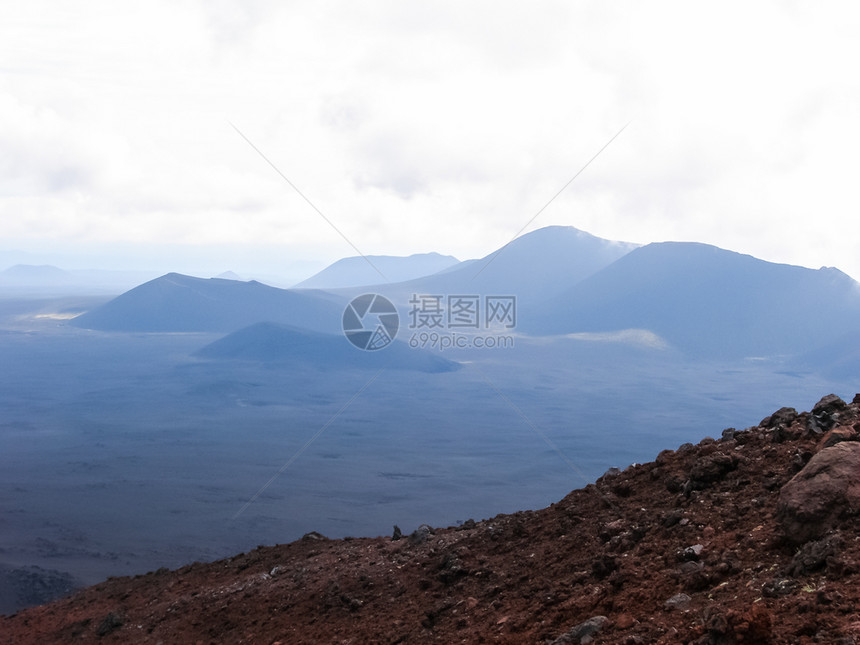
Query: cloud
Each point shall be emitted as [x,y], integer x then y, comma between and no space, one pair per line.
[432,127]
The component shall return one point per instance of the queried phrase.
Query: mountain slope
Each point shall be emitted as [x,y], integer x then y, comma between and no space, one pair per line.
[697,547]
[708,302]
[180,303]
[358,271]
[293,347]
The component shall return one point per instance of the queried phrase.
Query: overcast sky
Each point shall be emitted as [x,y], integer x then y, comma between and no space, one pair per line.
[416,127]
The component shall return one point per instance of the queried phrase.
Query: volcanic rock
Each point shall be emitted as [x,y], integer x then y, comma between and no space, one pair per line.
[826,488]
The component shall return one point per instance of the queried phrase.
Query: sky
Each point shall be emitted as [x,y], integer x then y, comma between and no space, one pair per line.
[144,135]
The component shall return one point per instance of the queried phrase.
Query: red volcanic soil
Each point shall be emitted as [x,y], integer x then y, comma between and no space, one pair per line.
[752,538]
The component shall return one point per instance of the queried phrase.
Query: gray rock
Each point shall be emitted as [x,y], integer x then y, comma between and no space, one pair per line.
[110,624]
[692,552]
[710,469]
[829,405]
[582,633]
[421,534]
[678,601]
[782,417]
[825,413]
[812,556]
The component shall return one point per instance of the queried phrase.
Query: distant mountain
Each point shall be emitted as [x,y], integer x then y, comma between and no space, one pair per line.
[47,280]
[707,301]
[359,271]
[275,343]
[181,303]
[533,267]
[31,273]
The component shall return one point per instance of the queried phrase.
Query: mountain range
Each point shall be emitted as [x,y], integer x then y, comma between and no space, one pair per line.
[695,298]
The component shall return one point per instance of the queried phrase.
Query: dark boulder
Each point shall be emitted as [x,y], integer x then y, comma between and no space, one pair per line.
[783,416]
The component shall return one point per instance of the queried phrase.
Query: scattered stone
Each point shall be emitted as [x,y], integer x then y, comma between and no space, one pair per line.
[451,569]
[778,587]
[611,529]
[692,553]
[674,484]
[603,566]
[812,556]
[672,518]
[829,485]
[110,624]
[729,627]
[583,633]
[800,459]
[711,468]
[678,601]
[728,434]
[467,525]
[421,534]
[782,417]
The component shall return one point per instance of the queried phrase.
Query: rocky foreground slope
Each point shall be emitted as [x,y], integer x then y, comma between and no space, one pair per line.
[752,538]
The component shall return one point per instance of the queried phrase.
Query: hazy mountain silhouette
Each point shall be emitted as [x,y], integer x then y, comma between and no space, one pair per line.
[31,273]
[181,303]
[707,301]
[276,343]
[357,271]
[838,359]
[533,267]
